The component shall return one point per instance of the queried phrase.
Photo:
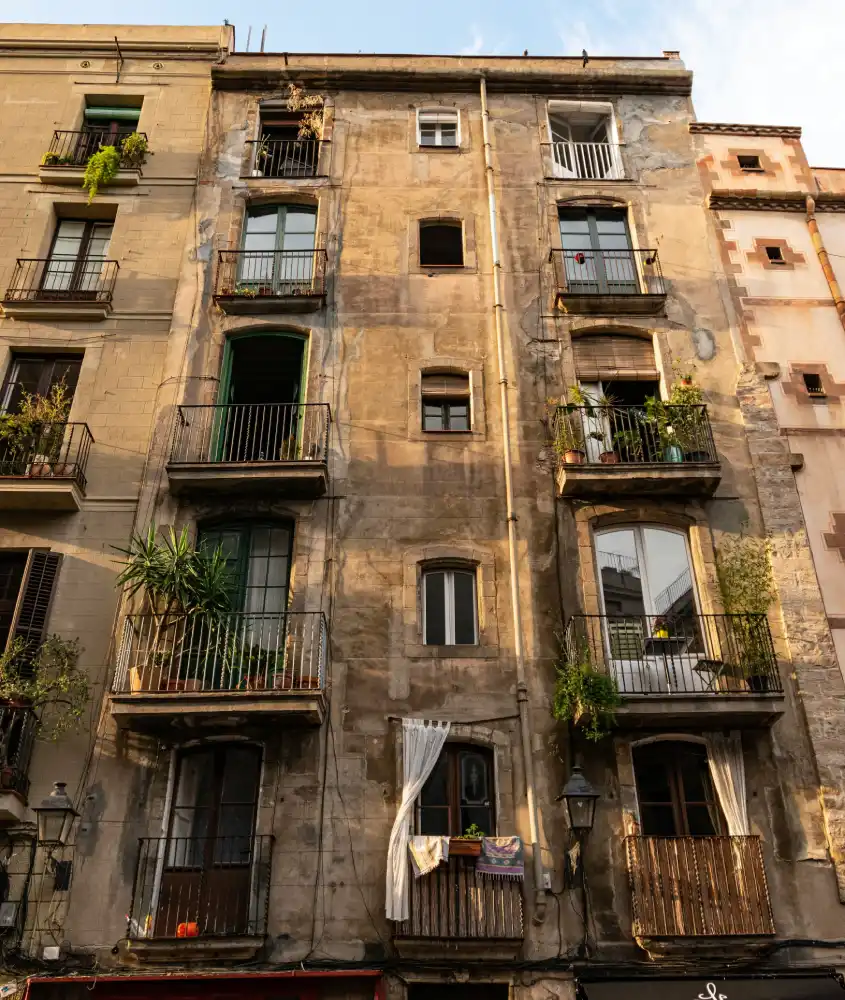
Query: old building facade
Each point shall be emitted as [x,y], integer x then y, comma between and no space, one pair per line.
[456,379]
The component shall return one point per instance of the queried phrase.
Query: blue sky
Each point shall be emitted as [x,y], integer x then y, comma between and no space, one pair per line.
[763,61]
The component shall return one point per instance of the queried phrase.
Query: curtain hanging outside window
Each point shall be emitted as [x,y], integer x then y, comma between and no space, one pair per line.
[724,756]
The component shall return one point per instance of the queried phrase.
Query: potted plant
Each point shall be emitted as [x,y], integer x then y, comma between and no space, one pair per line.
[686,400]
[467,845]
[262,151]
[101,169]
[629,444]
[608,456]
[133,151]
[583,695]
[567,426]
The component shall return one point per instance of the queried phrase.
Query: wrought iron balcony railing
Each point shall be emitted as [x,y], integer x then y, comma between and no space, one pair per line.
[223,654]
[608,272]
[51,451]
[75,149]
[201,887]
[587,160]
[251,432]
[17,735]
[62,279]
[270,274]
[627,435]
[285,157]
[698,887]
[677,653]
[455,903]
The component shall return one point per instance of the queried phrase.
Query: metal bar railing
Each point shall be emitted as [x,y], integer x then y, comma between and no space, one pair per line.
[608,272]
[200,887]
[75,149]
[223,653]
[51,451]
[285,157]
[454,902]
[17,735]
[677,653]
[62,279]
[587,160]
[279,274]
[698,886]
[633,435]
[251,432]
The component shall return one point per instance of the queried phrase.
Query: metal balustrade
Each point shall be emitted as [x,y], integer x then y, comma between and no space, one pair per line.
[62,279]
[587,160]
[273,274]
[51,451]
[454,902]
[223,654]
[17,736]
[674,654]
[628,435]
[608,272]
[201,887]
[251,432]
[698,886]
[285,157]
[75,149]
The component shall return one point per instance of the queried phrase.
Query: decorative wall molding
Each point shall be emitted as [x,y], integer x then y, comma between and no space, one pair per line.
[730,128]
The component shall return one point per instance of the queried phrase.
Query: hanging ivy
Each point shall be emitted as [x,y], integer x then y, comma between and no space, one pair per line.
[100,170]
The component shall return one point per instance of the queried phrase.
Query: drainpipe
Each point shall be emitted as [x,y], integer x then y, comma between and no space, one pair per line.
[824,260]
[521,686]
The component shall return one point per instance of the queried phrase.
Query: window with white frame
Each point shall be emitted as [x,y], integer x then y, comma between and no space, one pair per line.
[449,607]
[438,128]
[584,140]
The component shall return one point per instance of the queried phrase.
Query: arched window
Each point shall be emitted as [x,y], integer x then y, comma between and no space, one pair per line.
[278,249]
[441,244]
[458,793]
[450,614]
[674,790]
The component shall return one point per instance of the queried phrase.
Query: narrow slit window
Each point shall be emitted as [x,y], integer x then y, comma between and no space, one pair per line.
[775,255]
[441,244]
[437,128]
[445,402]
[813,385]
[449,608]
[750,163]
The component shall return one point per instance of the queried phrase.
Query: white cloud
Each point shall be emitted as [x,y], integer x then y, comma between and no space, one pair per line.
[477,45]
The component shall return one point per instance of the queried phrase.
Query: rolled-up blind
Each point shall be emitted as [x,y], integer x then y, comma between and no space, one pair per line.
[445,384]
[599,356]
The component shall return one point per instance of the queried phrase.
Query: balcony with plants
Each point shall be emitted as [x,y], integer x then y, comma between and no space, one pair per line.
[190,657]
[661,447]
[94,158]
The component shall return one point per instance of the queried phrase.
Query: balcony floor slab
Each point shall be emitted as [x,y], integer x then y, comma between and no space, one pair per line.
[263,305]
[304,480]
[610,305]
[666,479]
[30,493]
[700,711]
[187,950]
[72,176]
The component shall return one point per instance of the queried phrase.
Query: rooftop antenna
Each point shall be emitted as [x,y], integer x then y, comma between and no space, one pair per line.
[248,36]
[263,34]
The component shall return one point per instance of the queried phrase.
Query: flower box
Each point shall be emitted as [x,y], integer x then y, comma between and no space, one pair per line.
[466,848]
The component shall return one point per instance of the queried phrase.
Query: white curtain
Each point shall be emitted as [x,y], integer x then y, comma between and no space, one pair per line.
[421,745]
[724,756]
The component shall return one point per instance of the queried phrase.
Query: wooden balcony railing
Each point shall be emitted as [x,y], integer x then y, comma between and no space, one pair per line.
[698,887]
[455,903]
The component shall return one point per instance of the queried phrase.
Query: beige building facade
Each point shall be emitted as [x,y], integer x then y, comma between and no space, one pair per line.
[424,382]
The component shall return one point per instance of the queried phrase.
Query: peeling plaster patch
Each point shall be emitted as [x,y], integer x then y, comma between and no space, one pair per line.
[705,343]
[231,156]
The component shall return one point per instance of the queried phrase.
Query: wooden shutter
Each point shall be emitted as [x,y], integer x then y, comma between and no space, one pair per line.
[35,598]
[612,355]
[445,385]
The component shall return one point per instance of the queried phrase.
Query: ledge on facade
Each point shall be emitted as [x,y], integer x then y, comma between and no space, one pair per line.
[717,947]
[487,950]
[302,480]
[774,201]
[610,305]
[51,309]
[12,808]
[186,950]
[732,128]
[688,478]
[40,494]
[72,176]
[264,305]
[700,711]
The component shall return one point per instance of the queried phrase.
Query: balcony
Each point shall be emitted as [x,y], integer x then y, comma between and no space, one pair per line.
[277,448]
[607,450]
[17,735]
[45,470]
[455,910]
[587,161]
[287,158]
[685,888]
[198,898]
[257,282]
[608,282]
[69,153]
[677,668]
[192,673]
[61,287]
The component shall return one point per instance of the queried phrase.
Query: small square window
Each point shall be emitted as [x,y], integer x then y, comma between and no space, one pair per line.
[437,128]
[775,255]
[445,402]
[813,384]
[751,163]
[441,244]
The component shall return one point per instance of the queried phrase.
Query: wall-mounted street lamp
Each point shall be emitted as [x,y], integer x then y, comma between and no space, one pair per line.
[580,798]
[55,817]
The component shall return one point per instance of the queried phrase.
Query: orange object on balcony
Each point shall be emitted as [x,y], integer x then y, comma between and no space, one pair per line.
[188,929]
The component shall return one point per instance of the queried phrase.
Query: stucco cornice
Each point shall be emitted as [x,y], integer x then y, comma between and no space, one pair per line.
[42,48]
[773,201]
[730,128]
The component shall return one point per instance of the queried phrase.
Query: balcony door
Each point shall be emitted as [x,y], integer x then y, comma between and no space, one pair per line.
[458,794]
[104,126]
[651,626]
[208,861]
[278,250]
[674,790]
[75,265]
[597,255]
[582,144]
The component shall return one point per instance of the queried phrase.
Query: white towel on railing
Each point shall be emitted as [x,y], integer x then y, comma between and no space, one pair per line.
[427,853]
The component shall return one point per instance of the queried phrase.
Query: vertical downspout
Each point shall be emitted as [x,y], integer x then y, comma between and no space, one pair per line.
[521,686]
[824,260]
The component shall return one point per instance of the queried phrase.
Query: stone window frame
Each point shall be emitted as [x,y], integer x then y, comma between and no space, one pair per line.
[255,197]
[464,132]
[759,255]
[467,223]
[446,365]
[795,388]
[459,555]
[440,110]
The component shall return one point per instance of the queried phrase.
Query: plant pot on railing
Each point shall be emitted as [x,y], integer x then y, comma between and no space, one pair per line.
[758,683]
[609,458]
[574,456]
[672,453]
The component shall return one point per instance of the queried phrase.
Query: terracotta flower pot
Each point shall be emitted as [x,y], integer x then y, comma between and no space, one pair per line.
[609,458]
[573,457]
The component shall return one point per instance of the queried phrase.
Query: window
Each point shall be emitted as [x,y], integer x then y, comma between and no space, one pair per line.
[445,402]
[281,151]
[441,244]
[584,141]
[74,268]
[104,125]
[278,249]
[36,374]
[674,790]
[27,584]
[750,163]
[813,384]
[437,128]
[259,558]
[645,571]
[449,607]
[597,253]
[458,793]
[775,255]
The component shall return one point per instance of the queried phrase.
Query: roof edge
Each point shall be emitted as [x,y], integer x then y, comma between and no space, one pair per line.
[731,128]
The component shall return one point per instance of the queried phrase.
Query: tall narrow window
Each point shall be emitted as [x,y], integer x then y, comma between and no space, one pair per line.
[445,402]
[597,253]
[278,250]
[75,265]
[449,607]
[258,557]
[37,375]
[437,128]
[458,793]
[441,244]
[674,790]
[27,583]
